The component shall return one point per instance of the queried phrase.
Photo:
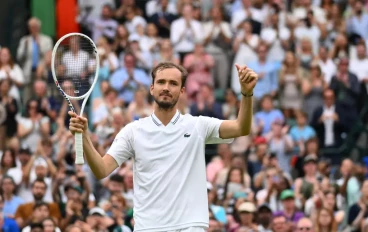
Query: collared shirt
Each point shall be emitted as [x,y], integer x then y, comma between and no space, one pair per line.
[170,187]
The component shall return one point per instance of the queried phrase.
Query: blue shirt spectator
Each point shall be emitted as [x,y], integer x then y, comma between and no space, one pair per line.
[128,79]
[267,115]
[302,131]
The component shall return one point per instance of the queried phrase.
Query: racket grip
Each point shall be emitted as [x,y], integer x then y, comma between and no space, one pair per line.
[79,158]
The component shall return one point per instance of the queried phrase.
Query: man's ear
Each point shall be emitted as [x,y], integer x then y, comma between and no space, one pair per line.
[182,90]
[151,89]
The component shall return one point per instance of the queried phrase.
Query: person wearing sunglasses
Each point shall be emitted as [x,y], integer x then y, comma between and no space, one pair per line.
[304,225]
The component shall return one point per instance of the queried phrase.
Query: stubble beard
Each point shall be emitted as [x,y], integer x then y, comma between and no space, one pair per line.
[166,106]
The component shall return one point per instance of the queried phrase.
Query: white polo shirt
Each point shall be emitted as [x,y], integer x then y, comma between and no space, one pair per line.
[170,190]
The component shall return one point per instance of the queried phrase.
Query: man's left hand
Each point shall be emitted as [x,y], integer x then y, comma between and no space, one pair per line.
[247,78]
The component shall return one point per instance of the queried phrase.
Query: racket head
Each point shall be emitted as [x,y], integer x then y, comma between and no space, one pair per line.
[75,75]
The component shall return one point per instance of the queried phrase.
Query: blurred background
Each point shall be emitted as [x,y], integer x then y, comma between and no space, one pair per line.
[303,167]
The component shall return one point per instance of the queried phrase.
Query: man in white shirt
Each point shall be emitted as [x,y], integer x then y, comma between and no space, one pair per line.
[326,64]
[359,66]
[167,149]
[185,32]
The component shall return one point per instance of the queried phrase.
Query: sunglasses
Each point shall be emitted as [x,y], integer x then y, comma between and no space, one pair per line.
[304,228]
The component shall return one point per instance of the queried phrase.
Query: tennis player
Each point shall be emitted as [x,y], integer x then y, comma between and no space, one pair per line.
[167,148]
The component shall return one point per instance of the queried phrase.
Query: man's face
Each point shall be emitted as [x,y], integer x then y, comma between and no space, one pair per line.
[289,203]
[264,216]
[115,187]
[304,225]
[361,51]
[106,12]
[38,191]
[41,213]
[323,53]
[329,98]
[129,62]
[279,224]
[167,88]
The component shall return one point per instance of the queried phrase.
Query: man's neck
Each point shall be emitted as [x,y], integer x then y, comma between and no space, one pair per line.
[165,116]
[289,213]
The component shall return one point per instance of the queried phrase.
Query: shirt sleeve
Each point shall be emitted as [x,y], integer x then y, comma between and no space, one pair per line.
[209,130]
[122,147]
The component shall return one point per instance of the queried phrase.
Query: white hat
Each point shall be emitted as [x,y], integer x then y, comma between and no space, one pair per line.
[97,210]
[247,207]
[40,162]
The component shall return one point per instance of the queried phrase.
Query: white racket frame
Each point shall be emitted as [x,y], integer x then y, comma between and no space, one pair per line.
[79,158]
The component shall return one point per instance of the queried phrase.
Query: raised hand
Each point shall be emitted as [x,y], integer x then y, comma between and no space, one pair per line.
[247,78]
[77,123]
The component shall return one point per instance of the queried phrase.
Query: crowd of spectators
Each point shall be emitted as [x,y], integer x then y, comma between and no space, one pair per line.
[312,60]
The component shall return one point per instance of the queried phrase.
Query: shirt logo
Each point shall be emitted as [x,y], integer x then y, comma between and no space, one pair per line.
[186,135]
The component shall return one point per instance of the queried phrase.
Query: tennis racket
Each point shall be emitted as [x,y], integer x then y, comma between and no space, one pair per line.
[74,65]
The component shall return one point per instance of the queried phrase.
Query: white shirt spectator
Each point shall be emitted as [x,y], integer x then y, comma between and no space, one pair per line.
[269,35]
[154,6]
[185,43]
[211,27]
[15,74]
[239,16]
[101,27]
[313,33]
[359,67]
[75,65]
[95,6]
[328,69]
[319,14]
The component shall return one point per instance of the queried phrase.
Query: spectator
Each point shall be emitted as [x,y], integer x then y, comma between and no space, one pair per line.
[217,42]
[199,73]
[30,53]
[8,224]
[292,214]
[121,40]
[24,212]
[143,58]
[358,22]
[290,83]
[185,32]
[166,53]
[305,224]
[267,116]
[104,25]
[133,20]
[326,64]
[359,66]
[358,211]
[264,214]
[206,103]
[11,201]
[312,89]
[279,224]
[128,76]
[33,126]
[329,121]
[9,108]
[11,71]
[163,17]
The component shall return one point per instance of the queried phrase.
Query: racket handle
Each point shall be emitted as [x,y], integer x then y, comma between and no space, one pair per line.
[79,158]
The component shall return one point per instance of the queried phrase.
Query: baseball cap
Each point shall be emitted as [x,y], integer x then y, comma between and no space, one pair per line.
[259,140]
[286,194]
[76,187]
[310,158]
[97,211]
[247,207]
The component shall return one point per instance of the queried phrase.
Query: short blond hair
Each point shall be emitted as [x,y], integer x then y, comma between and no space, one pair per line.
[35,21]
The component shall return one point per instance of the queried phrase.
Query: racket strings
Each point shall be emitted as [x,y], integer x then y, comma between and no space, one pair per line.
[75,65]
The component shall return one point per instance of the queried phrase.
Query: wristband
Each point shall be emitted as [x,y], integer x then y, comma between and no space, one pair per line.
[247,95]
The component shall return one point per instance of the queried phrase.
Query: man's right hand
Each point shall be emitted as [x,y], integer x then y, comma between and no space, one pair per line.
[77,123]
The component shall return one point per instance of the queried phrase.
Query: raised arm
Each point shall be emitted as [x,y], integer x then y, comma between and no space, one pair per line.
[242,125]
[101,166]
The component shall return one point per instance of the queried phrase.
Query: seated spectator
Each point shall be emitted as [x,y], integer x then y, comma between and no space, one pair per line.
[139,107]
[163,17]
[206,104]
[165,53]
[40,212]
[264,218]
[246,212]
[104,25]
